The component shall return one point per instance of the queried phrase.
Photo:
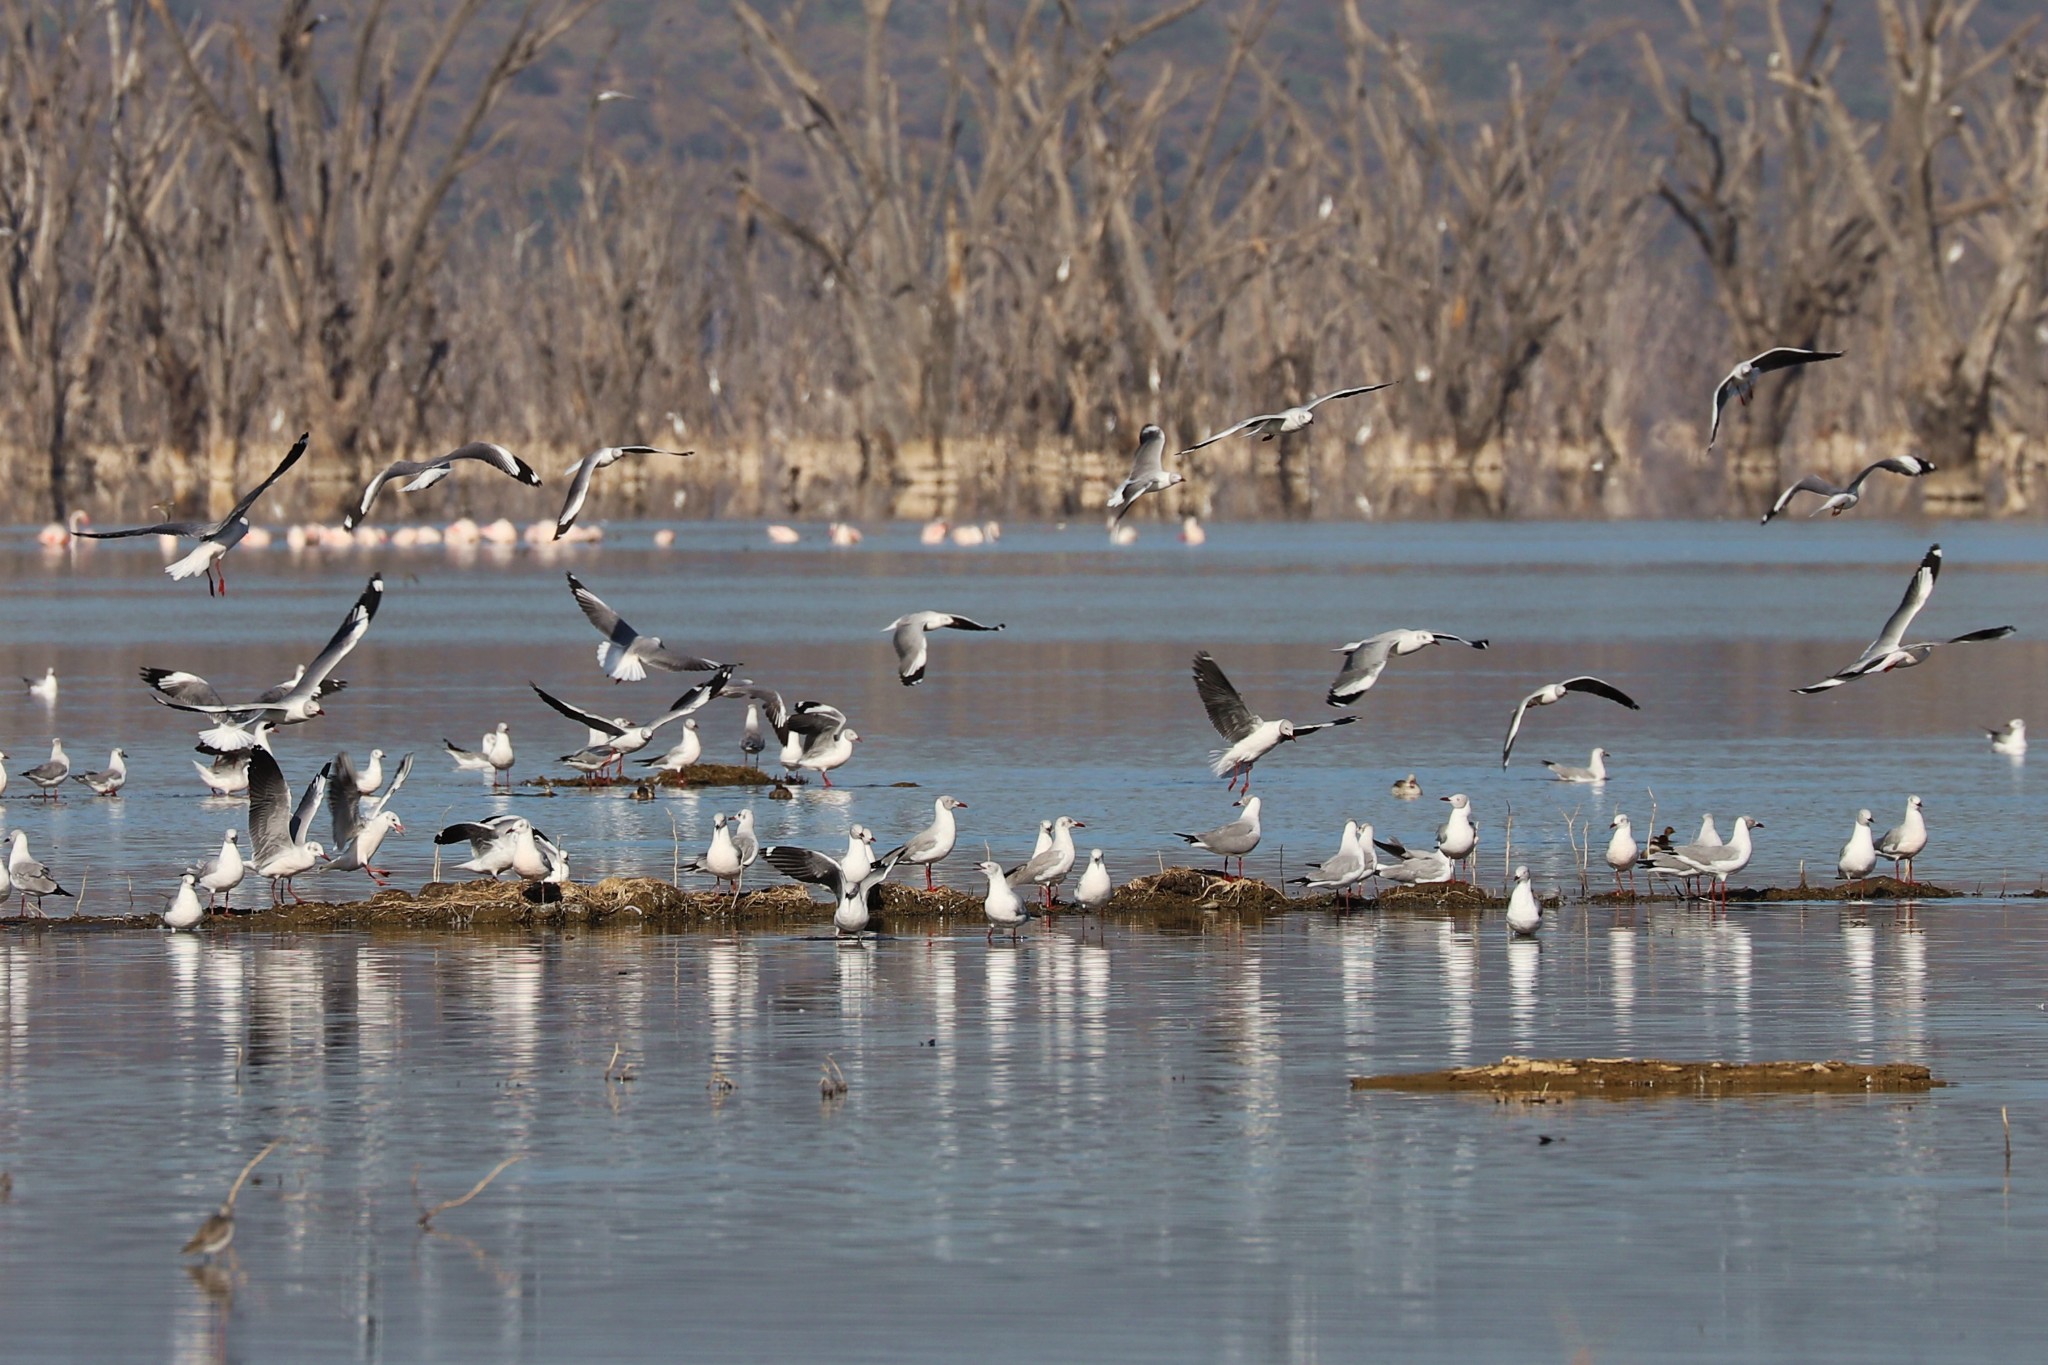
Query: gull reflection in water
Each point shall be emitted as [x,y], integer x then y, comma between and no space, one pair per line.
[1909,1014]
[1621,973]
[1358,941]
[1859,952]
[14,993]
[185,952]
[1525,955]
[1460,958]
[731,980]
[855,966]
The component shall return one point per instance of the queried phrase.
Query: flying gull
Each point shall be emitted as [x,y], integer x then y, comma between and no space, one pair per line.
[1271,424]
[1550,694]
[426,473]
[215,538]
[1251,737]
[1365,660]
[360,827]
[626,654]
[1840,498]
[1741,380]
[625,737]
[1888,652]
[909,632]
[580,475]
[1148,473]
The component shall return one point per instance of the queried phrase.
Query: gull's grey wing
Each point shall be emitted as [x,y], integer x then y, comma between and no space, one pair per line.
[1315,403]
[497,457]
[580,475]
[1515,727]
[1149,458]
[814,718]
[1599,687]
[353,627]
[949,621]
[1721,393]
[181,690]
[1918,589]
[478,836]
[248,499]
[1979,636]
[1783,357]
[188,529]
[270,808]
[911,649]
[309,803]
[1301,730]
[397,469]
[1246,425]
[608,622]
[397,780]
[1227,711]
[602,724]
[344,805]
[804,865]
[1812,483]
[1361,669]
[696,696]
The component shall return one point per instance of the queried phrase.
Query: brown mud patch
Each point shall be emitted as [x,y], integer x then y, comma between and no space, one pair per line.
[696,775]
[1868,889]
[1625,1078]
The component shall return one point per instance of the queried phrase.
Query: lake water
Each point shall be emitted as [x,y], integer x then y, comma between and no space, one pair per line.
[1109,1143]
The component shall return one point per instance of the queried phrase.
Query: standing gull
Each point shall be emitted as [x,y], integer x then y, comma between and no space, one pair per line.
[1840,498]
[1365,660]
[215,538]
[360,828]
[1233,840]
[30,877]
[1741,380]
[1413,866]
[1251,737]
[1595,770]
[1458,838]
[1003,906]
[1271,424]
[223,872]
[909,632]
[1552,693]
[109,782]
[579,475]
[1345,868]
[50,774]
[1859,855]
[681,754]
[1525,915]
[1888,652]
[1904,844]
[1148,473]
[185,911]
[227,775]
[626,654]
[625,737]
[277,833]
[721,860]
[493,755]
[934,843]
[426,473]
[1095,888]
[1047,869]
[1622,850]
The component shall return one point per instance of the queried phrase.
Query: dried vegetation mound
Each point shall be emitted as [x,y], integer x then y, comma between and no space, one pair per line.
[1618,1078]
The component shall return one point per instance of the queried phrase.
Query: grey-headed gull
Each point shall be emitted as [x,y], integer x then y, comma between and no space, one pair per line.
[1251,737]
[1049,868]
[1412,867]
[110,780]
[426,473]
[722,859]
[908,634]
[751,743]
[2009,739]
[1719,861]
[1839,498]
[1268,425]
[1003,906]
[223,872]
[681,754]
[1525,914]
[50,774]
[371,775]
[493,755]
[227,775]
[186,692]
[1595,770]
[30,877]
[1622,850]
[800,729]
[851,912]
[1859,855]
[1550,694]
[1365,660]
[501,844]
[579,475]
[1095,888]
[360,828]
[1889,652]
[1346,868]
[1458,838]
[1741,381]
[744,841]
[1904,843]
[215,538]
[1233,840]
[185,911]
[278,845]
[932,845]
[626,654]
[1148,473]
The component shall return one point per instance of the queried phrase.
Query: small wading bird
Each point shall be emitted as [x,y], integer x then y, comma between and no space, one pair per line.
[1271,424]
[215,538]
[626,654]
[426,473]
[909,632]
[1887,653]
[1551,693]
[1840,498]
[579,474]
[1251,737]
[1365,660]
[1148,474]
[1741,381]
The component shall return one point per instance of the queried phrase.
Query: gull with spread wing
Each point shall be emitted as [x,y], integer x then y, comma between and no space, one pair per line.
[909,632]
[278,845]
[1551,693]
[851,913]
[1251,736]
[1365,660]
[580,474]
[1148,473]
[1888,652]
[426,473]
[360,826]
[1840,498]
[1741,381]
[1271,424]
[215,538]
[622,737]
[626,654]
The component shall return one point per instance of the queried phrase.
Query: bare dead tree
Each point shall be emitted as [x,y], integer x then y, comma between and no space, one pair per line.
[1789,247]
[1930,183]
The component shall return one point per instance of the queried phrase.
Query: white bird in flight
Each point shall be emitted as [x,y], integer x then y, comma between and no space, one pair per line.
[909,632]
[1268,425]
[1840,498]
[426,473]
[1251,737]
[1741,381]
[1551,693]
[1889,652]
[579,474]
[1148,473]
[626,654]
[215,538]
[1365,660]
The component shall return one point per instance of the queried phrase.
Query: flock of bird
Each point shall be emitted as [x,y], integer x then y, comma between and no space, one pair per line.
[816,737]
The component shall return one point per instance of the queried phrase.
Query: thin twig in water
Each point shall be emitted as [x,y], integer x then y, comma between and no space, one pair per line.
[2006,1119]
[831,1080]
[616,1049]
[236,1188]
[675,876]
[427,1215]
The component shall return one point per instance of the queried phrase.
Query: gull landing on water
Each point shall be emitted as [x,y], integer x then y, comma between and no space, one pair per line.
[1365,660]
[909,632]
[1888,652]
[425,474]
[1271,424]
[215,538]
[1552,693]
[579,474]
[2009,739]
[1840,499]
[1741,381]
[1148,475]
[43,689]
[1251,737]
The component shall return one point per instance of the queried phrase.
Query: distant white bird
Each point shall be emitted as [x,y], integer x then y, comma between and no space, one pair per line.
[1233,840]
[43,689]
[1148,474]
[1741,380]
[110,781]
[2009,738]
[1365,660]
[851,913]
[1552,693]
[493,755]
[1004,908]
[909,632]
[1251,737]
[1525,915]
[1839,498]
[215,538]
[934,843]
[1904,844]
[1095,888]
[579,474]
[185,911]
[1595,770]
[1271,424]
[1859,855]
[1888,652]
[426,473]
[626,654]
[1622,850]
[223,872]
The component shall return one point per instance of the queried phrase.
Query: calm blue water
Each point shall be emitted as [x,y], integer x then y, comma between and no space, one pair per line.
[1131,1146]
